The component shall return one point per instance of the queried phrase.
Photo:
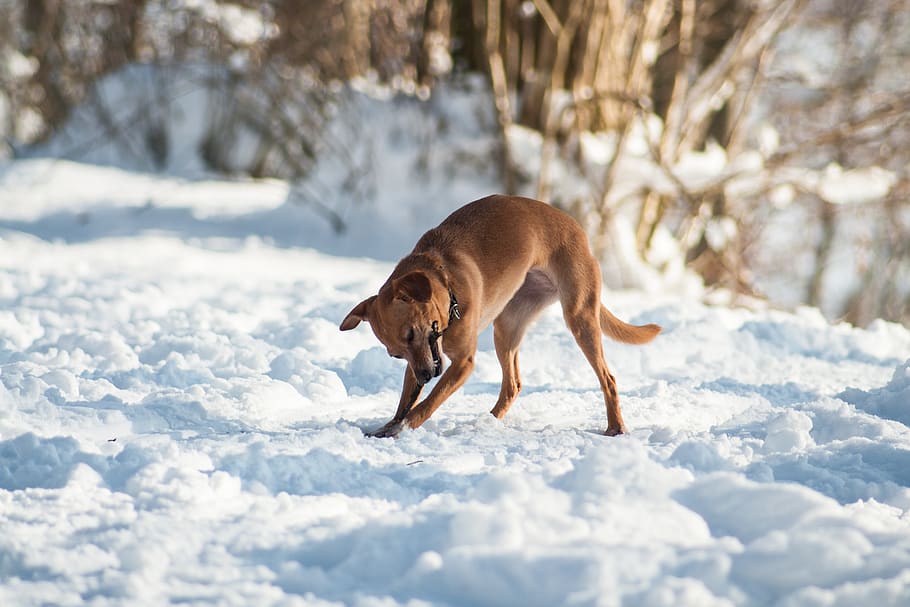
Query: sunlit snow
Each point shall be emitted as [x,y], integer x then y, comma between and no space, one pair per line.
[182,422]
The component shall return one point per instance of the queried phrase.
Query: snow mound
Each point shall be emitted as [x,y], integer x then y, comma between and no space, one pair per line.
[892,401]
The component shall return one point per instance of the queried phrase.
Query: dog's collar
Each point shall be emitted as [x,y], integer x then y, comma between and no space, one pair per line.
[454,314]
[454,311]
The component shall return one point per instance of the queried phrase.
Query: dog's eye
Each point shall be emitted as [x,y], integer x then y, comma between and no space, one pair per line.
[410,335]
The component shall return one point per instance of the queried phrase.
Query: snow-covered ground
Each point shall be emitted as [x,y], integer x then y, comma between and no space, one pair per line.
[182,421]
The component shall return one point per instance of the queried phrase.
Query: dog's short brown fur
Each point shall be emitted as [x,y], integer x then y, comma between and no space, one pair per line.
[503,259]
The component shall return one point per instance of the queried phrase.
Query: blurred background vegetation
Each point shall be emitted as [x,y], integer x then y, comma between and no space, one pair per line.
[786,95]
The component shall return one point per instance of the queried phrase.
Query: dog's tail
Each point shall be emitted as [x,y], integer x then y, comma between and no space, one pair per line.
[624,332]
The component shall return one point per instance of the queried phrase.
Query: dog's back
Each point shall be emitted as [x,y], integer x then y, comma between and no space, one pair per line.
[499,221]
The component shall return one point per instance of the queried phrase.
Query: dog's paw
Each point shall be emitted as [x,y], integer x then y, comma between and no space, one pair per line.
[615,431]
[391,429]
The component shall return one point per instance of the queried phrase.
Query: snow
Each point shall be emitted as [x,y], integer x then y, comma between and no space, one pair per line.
[182,421]
[18,66]
[890,402]
[855,186]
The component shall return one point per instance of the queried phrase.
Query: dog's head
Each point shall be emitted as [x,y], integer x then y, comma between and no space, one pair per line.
[402,317]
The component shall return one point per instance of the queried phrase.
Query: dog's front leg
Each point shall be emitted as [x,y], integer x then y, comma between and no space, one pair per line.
[453,378]
[410,392]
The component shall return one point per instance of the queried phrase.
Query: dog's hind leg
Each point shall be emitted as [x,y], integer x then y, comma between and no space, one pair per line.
[587,333]
[580,298]
[509,328]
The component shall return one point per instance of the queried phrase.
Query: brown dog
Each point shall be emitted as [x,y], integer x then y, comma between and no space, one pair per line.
[501,259]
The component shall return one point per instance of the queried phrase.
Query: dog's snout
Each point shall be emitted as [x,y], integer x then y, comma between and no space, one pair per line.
[423,376]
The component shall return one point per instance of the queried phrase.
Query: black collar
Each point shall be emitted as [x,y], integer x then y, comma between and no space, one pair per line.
[454,311]
[454,314]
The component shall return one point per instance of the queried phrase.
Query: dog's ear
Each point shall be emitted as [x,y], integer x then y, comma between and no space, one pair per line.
[360,312]
[413,286]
